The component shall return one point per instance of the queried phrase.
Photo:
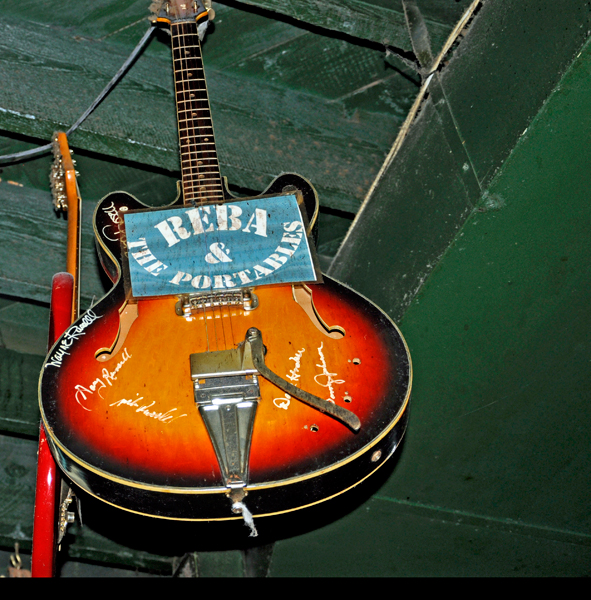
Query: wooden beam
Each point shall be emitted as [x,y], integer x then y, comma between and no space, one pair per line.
[366,20]
[34,246]
[19,411]
[478,110]
[262,128]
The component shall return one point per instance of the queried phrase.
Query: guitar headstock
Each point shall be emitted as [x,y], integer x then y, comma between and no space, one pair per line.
[172,11]
[62,176]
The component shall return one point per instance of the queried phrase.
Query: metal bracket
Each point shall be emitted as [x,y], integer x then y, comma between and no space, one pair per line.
[65,517]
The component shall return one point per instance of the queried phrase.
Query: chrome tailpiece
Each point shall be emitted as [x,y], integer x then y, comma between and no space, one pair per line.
[227,394]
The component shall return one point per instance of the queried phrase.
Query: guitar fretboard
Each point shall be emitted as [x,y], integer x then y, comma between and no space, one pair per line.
[200,172]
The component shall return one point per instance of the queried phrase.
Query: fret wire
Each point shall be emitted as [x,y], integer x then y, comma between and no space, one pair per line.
[194,147]
[187,168]
[204,181]
[214,170]
[193,109]
[204,135]
[184,47]
[192,194]
[205,192]
[207,161]
[193,119]
[213,175]
[205,127]
[209,176]
[189,79]
[216,173]
[198,154]
[188,119]
[199,118]
[207,187]
[193,129]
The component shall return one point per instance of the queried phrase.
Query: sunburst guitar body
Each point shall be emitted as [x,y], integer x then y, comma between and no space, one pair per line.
[128,394]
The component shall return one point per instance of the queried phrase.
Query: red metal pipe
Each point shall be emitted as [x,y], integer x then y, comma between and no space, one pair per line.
[48,480]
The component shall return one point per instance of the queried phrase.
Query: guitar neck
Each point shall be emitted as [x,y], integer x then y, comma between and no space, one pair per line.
[67,197]
[200,172]
[73,250]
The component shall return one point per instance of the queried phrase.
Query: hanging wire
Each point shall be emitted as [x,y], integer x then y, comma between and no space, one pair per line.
[47,147]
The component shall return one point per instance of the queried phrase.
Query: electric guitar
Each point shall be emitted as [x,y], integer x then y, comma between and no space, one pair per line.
[221,385]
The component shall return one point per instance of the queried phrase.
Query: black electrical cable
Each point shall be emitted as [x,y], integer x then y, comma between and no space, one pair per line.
[46,148]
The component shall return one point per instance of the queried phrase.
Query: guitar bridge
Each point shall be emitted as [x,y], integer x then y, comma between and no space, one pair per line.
[189,304]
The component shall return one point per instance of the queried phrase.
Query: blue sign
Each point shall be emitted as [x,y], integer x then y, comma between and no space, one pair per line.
[218,247]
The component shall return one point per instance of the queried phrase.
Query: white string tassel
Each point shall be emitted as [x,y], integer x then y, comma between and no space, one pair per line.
[202,28]
[247,516]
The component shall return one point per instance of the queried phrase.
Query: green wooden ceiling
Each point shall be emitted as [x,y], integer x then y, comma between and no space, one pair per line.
[475,240]
[307,88]
[316,88]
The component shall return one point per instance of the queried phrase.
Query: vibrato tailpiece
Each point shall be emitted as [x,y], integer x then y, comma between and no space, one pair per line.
[227,394]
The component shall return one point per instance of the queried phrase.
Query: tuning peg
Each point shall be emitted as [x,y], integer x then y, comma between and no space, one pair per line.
[210,10]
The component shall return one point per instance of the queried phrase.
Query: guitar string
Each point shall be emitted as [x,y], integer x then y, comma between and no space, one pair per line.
[197,154]
[203,153]
[211,168]
[185,92]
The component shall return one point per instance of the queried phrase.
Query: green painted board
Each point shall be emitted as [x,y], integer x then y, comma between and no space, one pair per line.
[23,326]
[501,417]
[18,458]
[448,157]
[408,223]
[517,53]
[493,476]
[386,539]
[34,246]
[19,409]
[380,21]
[270,115]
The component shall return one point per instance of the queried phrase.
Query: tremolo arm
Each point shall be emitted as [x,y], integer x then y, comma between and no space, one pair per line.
[245,361]
[255,339]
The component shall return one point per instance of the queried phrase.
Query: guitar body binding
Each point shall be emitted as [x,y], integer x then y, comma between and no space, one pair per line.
[130,432]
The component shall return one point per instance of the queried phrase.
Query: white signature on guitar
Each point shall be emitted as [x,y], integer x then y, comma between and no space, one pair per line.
[325,379]
[81,392]
[166,417]
[328,382]
[293,375]
[69,337]
[113,213]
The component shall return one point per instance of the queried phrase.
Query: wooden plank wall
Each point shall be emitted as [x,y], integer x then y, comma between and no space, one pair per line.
[321,88]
